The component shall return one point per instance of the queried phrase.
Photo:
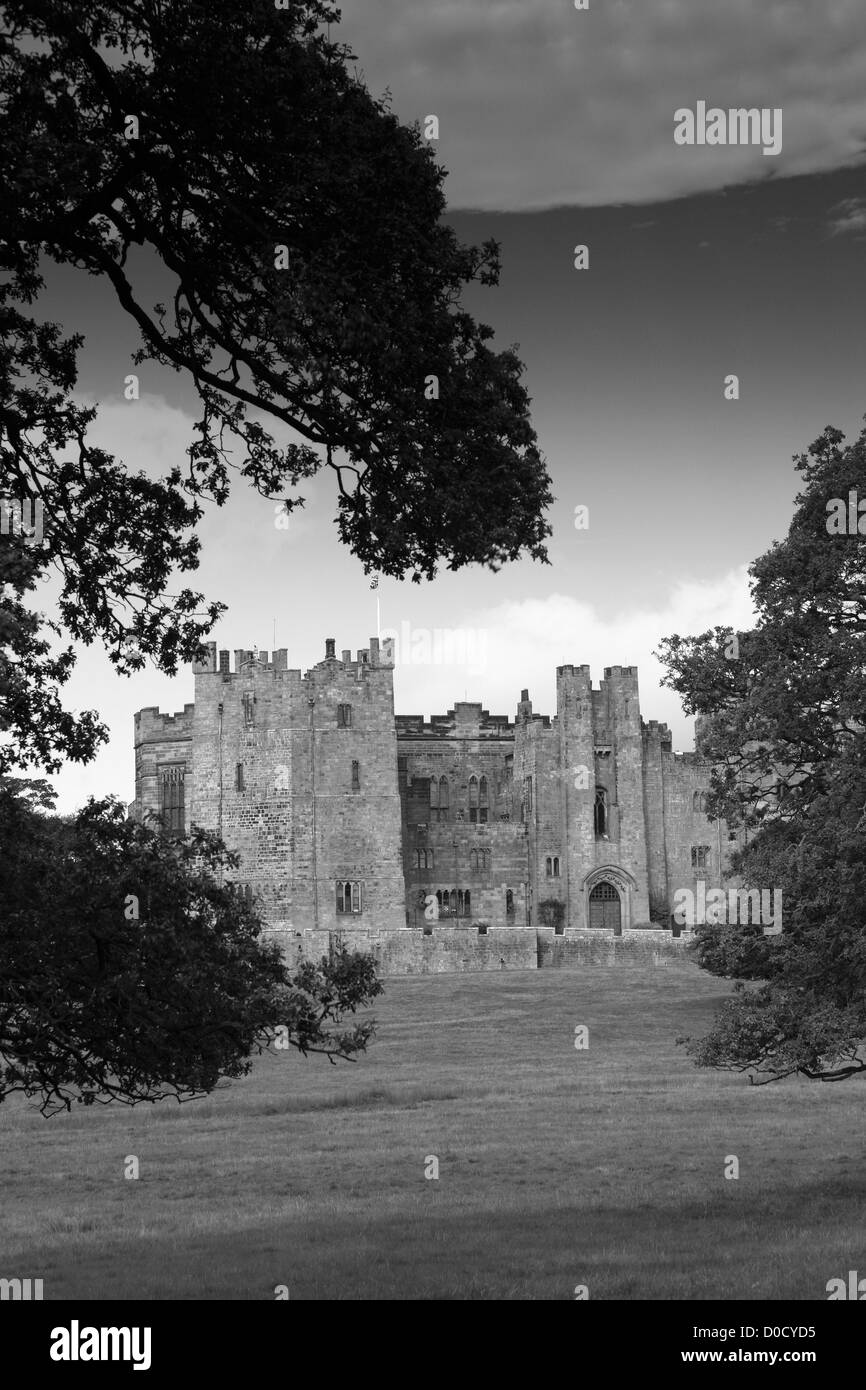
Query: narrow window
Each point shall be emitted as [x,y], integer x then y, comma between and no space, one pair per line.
[344,716]
[249,702]
[444,798]
[509,902]
[473,799]
[548,865]
[556,866]
[356,775]
[239,777]
[482,800]
[600,815]
[171,801]
[526,803]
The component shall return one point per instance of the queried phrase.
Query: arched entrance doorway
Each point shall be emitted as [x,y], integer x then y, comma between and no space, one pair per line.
[605,908]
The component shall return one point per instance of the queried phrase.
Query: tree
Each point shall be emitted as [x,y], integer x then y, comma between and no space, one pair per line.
[129,973]
[782,719]
[310,286]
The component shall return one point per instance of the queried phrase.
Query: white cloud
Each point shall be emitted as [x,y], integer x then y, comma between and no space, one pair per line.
[542,105]
[523,642]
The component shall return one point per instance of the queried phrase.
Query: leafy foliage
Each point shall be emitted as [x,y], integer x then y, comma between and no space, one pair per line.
[129,972]
[783,722]
[252,135]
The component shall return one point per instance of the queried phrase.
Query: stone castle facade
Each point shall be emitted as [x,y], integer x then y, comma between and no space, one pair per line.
[466,840]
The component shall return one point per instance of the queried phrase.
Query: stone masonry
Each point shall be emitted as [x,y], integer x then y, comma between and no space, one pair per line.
[466,841]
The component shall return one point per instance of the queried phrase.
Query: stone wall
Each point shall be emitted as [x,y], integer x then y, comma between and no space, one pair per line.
[305,794]
[578,948]
[161,741]
[409,951]
[486,857]
[684,777]
[311,797]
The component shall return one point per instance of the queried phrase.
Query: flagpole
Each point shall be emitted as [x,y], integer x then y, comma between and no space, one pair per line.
[374,584]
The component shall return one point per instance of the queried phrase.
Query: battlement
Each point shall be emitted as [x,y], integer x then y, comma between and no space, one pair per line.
[151,724]
[690,759]
[656,732]
[611,673]
[454,724]
[251,663]
[333,802]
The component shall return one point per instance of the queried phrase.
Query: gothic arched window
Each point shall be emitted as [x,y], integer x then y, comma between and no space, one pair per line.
[349,897]
[478,800]
[600,813]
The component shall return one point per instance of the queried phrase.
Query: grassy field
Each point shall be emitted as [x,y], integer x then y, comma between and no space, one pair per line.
[557,1167]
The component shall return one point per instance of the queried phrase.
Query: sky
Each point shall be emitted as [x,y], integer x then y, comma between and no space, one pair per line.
[556,127]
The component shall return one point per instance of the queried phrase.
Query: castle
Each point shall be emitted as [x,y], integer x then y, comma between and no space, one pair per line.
[467,841]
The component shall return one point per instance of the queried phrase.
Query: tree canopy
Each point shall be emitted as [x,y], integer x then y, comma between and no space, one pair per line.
[315,291]
[133,971]
[783,719]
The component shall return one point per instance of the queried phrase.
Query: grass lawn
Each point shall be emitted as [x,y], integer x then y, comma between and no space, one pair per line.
[557,1167]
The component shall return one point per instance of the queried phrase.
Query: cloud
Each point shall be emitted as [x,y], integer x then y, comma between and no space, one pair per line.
[520,644]
[505,648]
[850,217]
[541,105]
